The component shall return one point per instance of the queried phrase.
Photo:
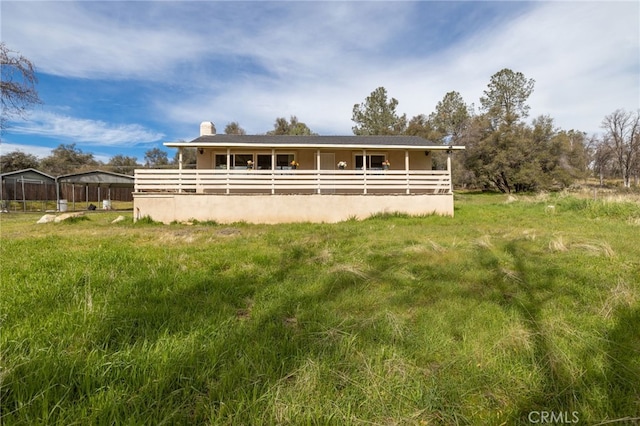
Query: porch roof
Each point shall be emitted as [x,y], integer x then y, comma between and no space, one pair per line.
[28,176]
[98,177]
[310,142]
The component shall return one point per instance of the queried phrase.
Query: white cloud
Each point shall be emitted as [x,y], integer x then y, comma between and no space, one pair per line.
[96,39]
[89,132]
[38,151]
[316,60]
[583,56]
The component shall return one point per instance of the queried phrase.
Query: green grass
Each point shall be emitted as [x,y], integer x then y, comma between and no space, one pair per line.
[512,306]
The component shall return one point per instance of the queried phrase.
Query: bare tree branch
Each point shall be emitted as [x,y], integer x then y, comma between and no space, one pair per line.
[17,84]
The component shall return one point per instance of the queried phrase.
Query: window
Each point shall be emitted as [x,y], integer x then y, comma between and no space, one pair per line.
[221,161]
[264,161]
[374,161]
[283,161]
[238,161]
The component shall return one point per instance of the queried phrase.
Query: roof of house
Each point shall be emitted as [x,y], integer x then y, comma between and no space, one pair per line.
[270,141]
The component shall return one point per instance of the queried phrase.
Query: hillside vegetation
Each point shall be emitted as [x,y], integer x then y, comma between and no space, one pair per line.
[515,306]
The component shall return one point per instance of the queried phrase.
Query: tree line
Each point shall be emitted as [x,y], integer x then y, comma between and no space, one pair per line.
[503,151]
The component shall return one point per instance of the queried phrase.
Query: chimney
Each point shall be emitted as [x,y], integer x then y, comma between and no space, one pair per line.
[207,128]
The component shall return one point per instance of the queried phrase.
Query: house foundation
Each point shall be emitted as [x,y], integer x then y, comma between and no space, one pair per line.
[272,209]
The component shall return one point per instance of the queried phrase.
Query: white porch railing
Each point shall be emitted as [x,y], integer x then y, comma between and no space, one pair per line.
[293,181]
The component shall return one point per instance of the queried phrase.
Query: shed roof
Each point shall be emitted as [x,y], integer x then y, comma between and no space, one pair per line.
[28,176]
[98,177]
[335,142]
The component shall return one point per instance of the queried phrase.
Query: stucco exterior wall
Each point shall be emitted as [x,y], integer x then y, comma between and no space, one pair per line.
[170,207]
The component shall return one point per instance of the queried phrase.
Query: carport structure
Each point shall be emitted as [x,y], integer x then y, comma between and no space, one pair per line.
[27,185]
[104,181]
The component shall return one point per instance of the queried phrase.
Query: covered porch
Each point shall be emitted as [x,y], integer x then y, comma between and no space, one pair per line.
[274,179]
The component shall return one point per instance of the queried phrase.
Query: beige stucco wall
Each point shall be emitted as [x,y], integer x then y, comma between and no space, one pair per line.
[253,208]
[307,157]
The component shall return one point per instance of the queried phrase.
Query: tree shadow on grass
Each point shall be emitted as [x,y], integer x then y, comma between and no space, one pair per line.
[530,289]
[622,372]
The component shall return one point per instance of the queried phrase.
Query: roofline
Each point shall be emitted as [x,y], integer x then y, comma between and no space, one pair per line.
[31,169]
[96,171]
[317,146]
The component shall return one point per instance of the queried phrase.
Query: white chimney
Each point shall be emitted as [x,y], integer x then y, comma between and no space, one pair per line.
[207,128]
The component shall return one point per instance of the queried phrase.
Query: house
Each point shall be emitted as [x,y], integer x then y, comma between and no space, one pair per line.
[278,179]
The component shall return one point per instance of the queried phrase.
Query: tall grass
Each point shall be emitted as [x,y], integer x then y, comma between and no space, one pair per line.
[506,309]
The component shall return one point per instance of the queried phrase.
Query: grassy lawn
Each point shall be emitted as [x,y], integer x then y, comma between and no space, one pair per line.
[511,307]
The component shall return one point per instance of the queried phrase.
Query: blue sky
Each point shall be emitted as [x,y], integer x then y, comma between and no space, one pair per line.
[122,77]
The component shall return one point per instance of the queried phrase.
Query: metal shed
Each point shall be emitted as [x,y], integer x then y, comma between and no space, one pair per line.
[99,178]
[27,184]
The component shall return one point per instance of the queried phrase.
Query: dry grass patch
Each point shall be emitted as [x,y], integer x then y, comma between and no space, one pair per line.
[557,244]
[620,295]
[596,248]
[484,242]
[516,338]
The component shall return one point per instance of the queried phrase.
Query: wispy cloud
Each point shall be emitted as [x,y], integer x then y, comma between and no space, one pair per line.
[88,132]
[584,57]
[254,61]
[38,151]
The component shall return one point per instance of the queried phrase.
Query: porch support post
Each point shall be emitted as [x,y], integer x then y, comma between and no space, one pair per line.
[318,190]
[58,196]
[273,170]
[180,169]
[364,171]
[406,169]
[24,198]
[449,170]
[228,168]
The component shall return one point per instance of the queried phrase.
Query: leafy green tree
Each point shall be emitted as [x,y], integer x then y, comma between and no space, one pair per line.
[508,154]
[17,160]
[66,158]
[378,116]
[505,100]
[501,160]
[293,127]
[450,117]
[234,128]
[17,85]
[420,125]
[156,158]
[123,164]
[523,157]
